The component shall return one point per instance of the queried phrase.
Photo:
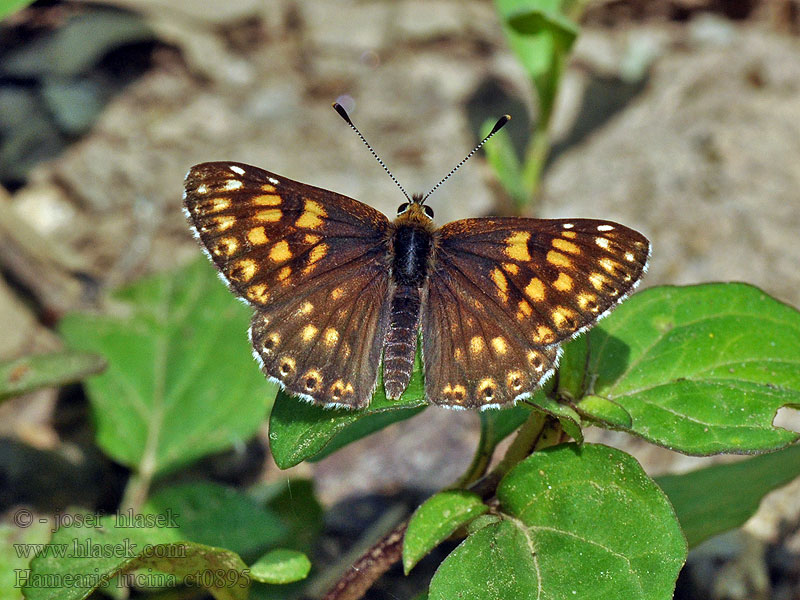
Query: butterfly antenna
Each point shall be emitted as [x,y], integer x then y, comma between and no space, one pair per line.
[343,113]
[497,127]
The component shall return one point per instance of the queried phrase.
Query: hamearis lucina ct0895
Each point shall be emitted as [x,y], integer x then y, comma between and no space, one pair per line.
[339,290]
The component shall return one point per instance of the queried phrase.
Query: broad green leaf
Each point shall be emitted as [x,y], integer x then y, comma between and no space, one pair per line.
[579,522]
[299,431]
[700,369]
[47,370]
[281,566]
[494,563]
[9,6]
[215,515]
[180,382]
[715,499]
[79,560]
[437,519]
[75,46]
[18,545]
[607,411]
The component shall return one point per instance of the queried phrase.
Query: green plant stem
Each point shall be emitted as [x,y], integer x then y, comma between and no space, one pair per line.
[527,437]
[535,158]
[482,457]
[136,492]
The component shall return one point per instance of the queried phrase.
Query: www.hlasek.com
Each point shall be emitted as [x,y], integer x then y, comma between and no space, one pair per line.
[143,579]
[89,548]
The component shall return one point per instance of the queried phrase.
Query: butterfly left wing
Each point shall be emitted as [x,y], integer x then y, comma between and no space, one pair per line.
[505,292]
[312,263]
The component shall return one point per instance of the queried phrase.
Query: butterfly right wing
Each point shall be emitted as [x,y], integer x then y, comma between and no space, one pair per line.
[313,263]
[505,292]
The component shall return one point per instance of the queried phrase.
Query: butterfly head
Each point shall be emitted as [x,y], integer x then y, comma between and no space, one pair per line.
[414,212]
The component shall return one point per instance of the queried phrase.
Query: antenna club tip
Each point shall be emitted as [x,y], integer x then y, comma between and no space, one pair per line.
[500,123]
[342,112]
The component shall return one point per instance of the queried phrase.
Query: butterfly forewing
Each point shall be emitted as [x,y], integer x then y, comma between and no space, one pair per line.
[269,235]
[529,284]
[312,262]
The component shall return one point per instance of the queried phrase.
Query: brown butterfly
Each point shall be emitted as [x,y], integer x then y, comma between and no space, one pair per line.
[337,287]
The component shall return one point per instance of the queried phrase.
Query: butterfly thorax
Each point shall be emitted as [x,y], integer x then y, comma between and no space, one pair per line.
[412,244]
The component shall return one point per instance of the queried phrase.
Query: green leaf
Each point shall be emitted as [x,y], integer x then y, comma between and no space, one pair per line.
[570,420]
[17,546]
[436,520]
[28,373]
[76,45]
[281,566]
[215,515]
[83,559]
[716,499]
[299,431]
[181,382]
[538,22]
[700,369]
[494,563]
[534,50]
[541,35]
[579,522]
[606,411]
[481,522]
[9,6]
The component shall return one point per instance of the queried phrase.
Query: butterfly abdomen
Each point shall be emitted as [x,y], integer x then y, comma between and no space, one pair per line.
[400,345]
[411,249]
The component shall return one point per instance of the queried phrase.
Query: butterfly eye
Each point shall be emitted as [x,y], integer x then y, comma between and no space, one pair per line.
[402,208]
[428,211]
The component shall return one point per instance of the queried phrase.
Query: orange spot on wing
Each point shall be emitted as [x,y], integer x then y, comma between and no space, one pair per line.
[535,290]
[268,216]
[280,252]
[558,259]
[563,283]
[517,246]
[257,236]
[566,246]
[267,200]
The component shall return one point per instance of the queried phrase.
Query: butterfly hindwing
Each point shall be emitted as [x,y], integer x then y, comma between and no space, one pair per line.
[529,284]
[471,358]
[326,345]
[312,263]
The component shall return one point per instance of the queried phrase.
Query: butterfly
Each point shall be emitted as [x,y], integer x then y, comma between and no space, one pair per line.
[339,290]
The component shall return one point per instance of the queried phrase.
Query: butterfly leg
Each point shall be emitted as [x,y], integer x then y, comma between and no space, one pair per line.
[400,345]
